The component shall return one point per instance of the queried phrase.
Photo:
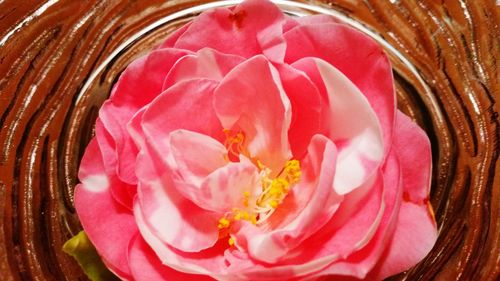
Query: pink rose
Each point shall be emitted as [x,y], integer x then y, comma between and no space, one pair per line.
[255,146]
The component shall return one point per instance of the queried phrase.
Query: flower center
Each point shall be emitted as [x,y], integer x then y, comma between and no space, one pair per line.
[273,189]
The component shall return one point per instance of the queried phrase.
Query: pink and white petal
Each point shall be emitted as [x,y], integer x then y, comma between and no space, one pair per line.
[106,146]
[416,230]
[206,63]
[318,170]
[368,67]
[139,84]
[196,155]
[134,128]
[292,22]
[204,175]
[123,193]
[305,101]
[208,262]
[369,250]
[350,122]
[243,30]
[413,239]
[174,219]
[146,266]
[414,150]
[351,226]
[251,98]
[224,188]
[108,224]
[325,251]
[188,105]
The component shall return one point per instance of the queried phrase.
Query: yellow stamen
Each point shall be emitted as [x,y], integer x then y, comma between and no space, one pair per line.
[223,223]
[253,219]
[292,170]
[273,204]
[230,241]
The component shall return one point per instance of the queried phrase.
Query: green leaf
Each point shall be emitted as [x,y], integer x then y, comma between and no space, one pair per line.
[80,248]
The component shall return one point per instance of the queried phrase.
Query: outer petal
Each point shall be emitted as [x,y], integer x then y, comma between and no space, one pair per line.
[369,250]
[123,193]
[206,63]
[172,39]
[208,262]
[318,170]
[350,122]
[367,66]
[416,231]
[108,224]
[414,151]
[139,84]
[146,266]
[292,22]
[172,218]
[251,99]
[244,30]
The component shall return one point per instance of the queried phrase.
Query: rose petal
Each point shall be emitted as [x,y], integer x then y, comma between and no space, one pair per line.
[106,146]
[350,122]
[146,266]
[147,74]
[174,219]
[205,176]
[224,189]
[306,105]
[208,262]
[122,193]
[188,106]
[292,22]
[416,231]
[355,221]
[351,242]
[368,251]
[108,224]
[174,37]
[243,30]
[206,63]
[367,66]
[251,99]
[316,19]
[318,170]
[414,150]
[196,155]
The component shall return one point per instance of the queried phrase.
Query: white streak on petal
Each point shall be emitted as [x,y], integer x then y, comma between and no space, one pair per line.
[96,183]
[353,122]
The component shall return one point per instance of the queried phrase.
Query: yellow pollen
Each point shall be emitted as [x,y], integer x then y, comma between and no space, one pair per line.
[253,219]
[292,170]
[273,204]
[230,241]
[223,223]
[246,197]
